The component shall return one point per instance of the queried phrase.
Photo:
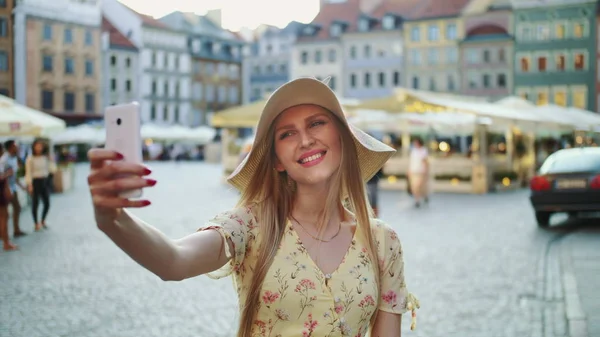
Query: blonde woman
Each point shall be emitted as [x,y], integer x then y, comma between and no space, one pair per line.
[303,264]
[38,167]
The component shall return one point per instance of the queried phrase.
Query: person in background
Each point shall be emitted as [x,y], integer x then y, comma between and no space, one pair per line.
[10,165]
[418,171]
[373,191]
[5,195]
[38,167]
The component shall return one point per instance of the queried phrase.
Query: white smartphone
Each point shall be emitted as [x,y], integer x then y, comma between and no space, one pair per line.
[123,124]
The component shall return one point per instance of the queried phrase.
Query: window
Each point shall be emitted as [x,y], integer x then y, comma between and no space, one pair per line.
[541,63]
[47,33]
[113,84]
[68,36]
[501,55]
[580,99]
[432,86]
[335,30]
[486,56]
[176,114]
[128,85]
[560,98]
[415,34]
[352,80]
[486,81]
[542,32]
[451,31]
[332,82]
[47,100]
[579,30]
[452,55]
[153,59]
[473,56]
[415,82]
[89,67]
[396,78]
[176,59]
[318,56]
[177,90]
[332,55]
[47,63]
[3,27]
[579,61]
[166,89]
[433,56]
[165,113]
[69,101]
[473,79]
[382,79]
[542,98]
[451,86]
[560,31]
[113,60]
[433,33]
[89,39]
[89,102]
[524,64]
[388,22]
[367,51]
[153,90]
[3,61]
[501,81]
[69,65]
[353,52]
[367,80]
[304,57]
[561,62]
[128,62]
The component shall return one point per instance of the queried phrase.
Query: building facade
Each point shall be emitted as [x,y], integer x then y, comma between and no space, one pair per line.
[60,45]
[120,64]
[6,48]
[374,53]
[216,57]
[486,52]
[431,36]
[268,64]
[555,50]
[318,50]
[164,64]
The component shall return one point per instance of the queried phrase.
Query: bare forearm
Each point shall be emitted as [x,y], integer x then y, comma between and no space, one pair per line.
[144,244]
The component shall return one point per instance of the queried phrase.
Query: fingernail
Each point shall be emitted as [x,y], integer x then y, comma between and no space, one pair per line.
[119,156]
[147,171]
[150,182]
[146,202]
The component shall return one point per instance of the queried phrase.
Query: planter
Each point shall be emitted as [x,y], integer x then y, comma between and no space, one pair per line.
[63,179]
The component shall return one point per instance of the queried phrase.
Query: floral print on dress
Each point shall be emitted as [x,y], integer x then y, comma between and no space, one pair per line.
[297,299]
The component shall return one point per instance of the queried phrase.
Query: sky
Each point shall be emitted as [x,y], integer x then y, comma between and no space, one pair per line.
[235,13]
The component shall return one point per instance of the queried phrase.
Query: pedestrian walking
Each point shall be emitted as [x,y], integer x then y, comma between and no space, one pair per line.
[38,167]
[418,172]
[5,196]
[294,251]
[9,161]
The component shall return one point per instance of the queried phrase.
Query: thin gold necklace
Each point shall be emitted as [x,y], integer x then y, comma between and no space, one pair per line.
[316,238]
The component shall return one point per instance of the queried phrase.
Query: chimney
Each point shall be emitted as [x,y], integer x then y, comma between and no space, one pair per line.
[214,15]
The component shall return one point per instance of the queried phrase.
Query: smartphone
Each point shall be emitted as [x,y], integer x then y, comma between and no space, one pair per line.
[123,124]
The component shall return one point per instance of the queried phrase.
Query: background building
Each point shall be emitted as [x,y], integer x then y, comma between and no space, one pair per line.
[268,64]
[164,64]
[216,53]
[120,64]
[486,51]
[58,48]
[555,50]
[7,63]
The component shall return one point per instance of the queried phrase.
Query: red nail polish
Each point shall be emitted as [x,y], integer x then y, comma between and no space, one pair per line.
[119,156]
[150,182]
[146,202]
[147,171]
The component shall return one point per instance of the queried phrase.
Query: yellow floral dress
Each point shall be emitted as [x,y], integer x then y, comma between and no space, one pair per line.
[297,298]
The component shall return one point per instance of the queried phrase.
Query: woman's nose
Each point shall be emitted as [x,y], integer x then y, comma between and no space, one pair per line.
[306,139]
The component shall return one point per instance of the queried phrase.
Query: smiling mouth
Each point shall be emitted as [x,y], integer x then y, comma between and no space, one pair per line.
[311,158]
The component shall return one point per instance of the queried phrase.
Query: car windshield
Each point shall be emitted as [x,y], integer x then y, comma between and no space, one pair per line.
[572,161]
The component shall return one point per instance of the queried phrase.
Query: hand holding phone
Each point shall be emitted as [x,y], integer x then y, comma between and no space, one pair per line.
[123,124]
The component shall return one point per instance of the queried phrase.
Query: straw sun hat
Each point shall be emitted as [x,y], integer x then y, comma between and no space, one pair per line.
[372,154]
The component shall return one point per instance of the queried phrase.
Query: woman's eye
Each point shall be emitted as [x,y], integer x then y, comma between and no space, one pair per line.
[284,135]
[317,123]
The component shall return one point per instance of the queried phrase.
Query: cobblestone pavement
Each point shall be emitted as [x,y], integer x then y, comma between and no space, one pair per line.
[478,264]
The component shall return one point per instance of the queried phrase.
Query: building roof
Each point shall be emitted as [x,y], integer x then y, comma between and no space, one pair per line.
[199,25]
[147,20]
[116,38]
[347,11]
[432,9]
[403,8]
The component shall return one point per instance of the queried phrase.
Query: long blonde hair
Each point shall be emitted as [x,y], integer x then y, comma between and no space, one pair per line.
[272,195]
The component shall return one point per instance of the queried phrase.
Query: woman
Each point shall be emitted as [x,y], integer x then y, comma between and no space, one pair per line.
[38,168]
[5,196]
[418,172]
[303,264]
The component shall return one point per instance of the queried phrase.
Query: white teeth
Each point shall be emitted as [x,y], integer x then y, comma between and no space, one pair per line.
[311,158]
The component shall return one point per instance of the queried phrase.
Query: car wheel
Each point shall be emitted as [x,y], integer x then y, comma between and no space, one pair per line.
[543,218]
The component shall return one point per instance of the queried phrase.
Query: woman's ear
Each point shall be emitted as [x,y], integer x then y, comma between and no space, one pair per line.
[278,167]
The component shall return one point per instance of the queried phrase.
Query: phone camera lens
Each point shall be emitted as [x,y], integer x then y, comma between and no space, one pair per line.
[118,121]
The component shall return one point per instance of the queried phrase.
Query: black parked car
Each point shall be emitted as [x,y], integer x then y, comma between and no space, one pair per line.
[568,181]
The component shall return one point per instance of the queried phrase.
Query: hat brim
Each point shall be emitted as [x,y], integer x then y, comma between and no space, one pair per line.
[372,154]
